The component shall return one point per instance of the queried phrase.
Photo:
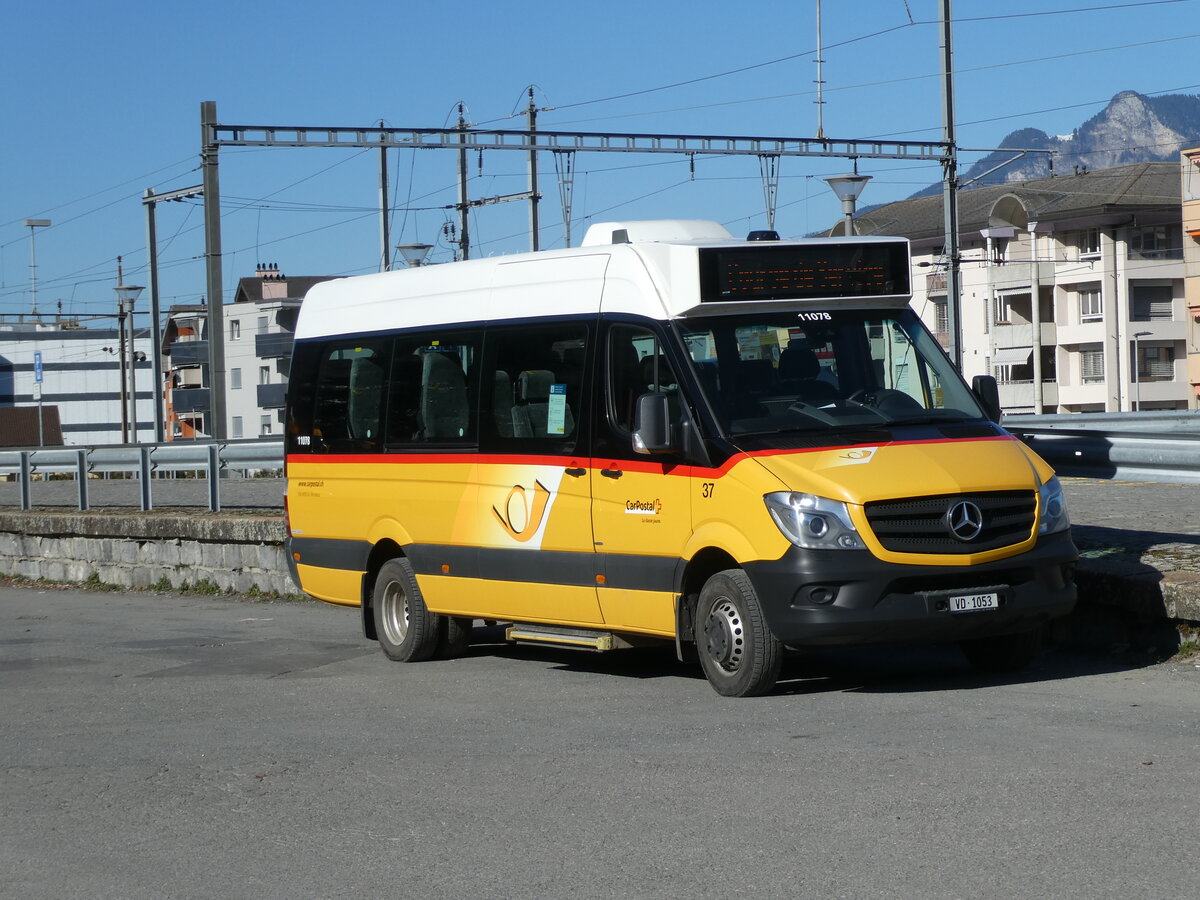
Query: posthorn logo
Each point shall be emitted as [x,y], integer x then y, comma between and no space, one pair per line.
[964,520]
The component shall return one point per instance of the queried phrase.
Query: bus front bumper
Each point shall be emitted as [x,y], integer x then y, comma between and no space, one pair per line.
[815,598]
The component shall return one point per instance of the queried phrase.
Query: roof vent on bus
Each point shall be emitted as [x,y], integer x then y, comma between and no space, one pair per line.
[662,230]
[763,236]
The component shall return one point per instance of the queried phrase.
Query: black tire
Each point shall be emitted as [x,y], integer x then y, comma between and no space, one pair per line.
[456,637]
[406,629]
[1003,653]
[739,654]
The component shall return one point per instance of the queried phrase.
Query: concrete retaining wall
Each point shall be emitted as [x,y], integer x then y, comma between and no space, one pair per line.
[235,553]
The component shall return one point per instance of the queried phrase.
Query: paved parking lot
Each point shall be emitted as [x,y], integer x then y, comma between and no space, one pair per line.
[163,746]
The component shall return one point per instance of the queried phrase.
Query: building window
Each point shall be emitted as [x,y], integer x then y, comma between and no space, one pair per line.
[1091,366]
[1088,242]
[1156,242]
[235,330]
[235,379]
[264,374]
[1151,303]
[1156,363]
[941,318]
[1091,308]
[1003,310]
[237,427]
[262,324]
[266,425]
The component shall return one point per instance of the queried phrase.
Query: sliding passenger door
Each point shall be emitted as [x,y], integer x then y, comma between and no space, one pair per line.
[536,560]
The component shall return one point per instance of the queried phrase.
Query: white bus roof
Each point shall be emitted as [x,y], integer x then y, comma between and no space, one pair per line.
[646,268]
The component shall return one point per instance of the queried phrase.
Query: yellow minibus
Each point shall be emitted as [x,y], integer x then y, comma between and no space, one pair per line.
[663,434]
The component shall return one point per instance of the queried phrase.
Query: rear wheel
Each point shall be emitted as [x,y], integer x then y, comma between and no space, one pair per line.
[406,629]
[739,654]
[1004,653]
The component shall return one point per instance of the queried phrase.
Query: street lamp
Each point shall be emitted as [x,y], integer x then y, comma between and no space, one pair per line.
[1137,377]
[848,188]
[414,254]
[127,295]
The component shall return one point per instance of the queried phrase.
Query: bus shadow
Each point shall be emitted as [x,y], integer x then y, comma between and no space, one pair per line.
[932,668]
[873,669]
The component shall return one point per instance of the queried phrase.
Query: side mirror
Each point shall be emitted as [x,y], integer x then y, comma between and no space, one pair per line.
[985,389]
[653,431]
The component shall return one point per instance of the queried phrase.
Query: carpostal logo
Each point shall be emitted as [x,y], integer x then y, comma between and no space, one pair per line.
[523,511]
[857,455]
[644,507]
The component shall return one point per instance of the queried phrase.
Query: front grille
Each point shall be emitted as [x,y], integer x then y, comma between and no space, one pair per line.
[918,524]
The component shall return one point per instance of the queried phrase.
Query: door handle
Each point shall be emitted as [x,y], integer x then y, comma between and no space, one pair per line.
[576,471]
[611,473]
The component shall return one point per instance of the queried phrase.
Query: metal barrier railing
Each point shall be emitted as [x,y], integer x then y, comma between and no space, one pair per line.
[1159,446]
[143,460]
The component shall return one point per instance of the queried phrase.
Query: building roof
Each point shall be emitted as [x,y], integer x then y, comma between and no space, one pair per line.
[259,289]
[19,427]
[1119,191]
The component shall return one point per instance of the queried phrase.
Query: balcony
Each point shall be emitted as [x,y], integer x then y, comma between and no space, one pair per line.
[189,400]
[273,346]
[189,353]
[272,396]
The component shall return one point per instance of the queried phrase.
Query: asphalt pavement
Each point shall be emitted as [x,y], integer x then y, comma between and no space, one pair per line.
[161,746]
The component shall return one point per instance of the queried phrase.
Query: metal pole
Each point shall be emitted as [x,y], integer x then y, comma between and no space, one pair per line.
[155,317]
[464,238]
[1137,382]
[534,221]
[212,256]
[385,239]
[950,197]
[133,422]
[121,358]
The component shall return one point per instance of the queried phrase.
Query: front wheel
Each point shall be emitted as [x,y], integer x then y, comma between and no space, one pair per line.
[407,630]
[739,654]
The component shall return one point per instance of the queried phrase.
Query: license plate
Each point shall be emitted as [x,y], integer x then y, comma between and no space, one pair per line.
[973,602]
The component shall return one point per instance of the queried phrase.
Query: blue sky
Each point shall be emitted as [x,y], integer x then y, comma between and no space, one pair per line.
[101,101]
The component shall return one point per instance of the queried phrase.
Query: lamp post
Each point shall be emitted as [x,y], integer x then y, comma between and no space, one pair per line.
[1137,376]
[848,188]
[414,254]
[127,295]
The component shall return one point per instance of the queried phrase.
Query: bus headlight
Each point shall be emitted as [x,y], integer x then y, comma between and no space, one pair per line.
[1053,508]
[812,522]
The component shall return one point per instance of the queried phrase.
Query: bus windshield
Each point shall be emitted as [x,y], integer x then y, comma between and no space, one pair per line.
[816,371]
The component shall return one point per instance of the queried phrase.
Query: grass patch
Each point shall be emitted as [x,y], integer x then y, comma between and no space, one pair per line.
[93,583]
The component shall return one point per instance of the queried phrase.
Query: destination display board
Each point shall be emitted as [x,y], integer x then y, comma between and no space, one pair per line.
[815,271]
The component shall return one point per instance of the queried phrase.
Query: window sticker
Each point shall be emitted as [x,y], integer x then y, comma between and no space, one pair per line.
[556,413]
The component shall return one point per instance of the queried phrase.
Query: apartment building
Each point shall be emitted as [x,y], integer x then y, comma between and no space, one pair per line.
[258,328]
[1072,287]
[1190,187]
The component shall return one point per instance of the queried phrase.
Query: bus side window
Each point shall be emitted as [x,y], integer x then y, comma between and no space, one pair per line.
[348,403]
[636,366]
[433,389]
[536,391]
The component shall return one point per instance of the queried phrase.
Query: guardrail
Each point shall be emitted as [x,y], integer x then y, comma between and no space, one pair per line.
[1137,446]
[143,460]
